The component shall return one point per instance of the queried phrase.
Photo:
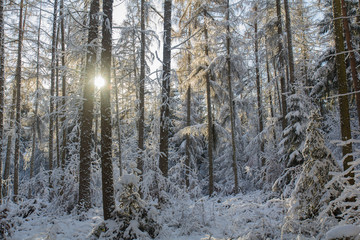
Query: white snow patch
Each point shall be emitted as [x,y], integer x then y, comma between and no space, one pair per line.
[345,231]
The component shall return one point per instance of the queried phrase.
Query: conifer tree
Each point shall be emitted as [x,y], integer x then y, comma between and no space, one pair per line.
[2,89]
[86,120]
[165,91]
[106,127]
[343,89]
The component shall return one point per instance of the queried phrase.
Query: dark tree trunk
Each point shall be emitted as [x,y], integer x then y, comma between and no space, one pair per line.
[18,104]
[165,91]
[106,135]
[352,58]
[63,87]
[2,89]
[343,90]
[209,116]
[118,122]
[52,88]
[141,121]
[188,124]
[289,44]
[36,118]
[281,66]
[258,85]
[231,97]
[86,121]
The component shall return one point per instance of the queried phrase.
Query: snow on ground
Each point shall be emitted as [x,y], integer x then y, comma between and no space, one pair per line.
[248,216]
[66,227]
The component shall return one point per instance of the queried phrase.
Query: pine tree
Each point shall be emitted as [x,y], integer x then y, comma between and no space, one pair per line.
[2,90]
[18,103]
[307,197]
[106,127]
[86,120]
[343,89]
[52,87]
[165,91]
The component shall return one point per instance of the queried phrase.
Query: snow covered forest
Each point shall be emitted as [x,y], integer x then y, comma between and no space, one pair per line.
[179,119]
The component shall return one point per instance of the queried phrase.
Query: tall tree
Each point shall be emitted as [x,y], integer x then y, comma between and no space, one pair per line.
[106,135]
[63,84]
[2,87]
[141,89]
[36,117]
[258,82]
[289,42]
[52,87]
[210,129]
[352,58]
[165,91]
[86,121]
[343,90]
[231,97]
[281,65]
[18,104]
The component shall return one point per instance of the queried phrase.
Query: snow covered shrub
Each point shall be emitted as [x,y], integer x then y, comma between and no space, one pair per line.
[292,144]
[345,204]
[5,224]
[310,195]
[134,219]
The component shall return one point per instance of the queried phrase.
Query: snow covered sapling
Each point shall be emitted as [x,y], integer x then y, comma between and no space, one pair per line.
[134,219]
[309,195]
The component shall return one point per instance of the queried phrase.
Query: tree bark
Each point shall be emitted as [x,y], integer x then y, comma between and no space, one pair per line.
[36,118]
[188,124]
[258,85]
[63,87]
[106,134]
[231,97]
[289,45]
[118,122]
[281,66]
[209,115]
[86,121]
[165,91]
[140,161]
[52,88]
[352,58]
[18,104]
[2,89]
[343,90]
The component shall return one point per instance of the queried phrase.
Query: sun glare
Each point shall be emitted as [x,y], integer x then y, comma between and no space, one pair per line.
[99,81]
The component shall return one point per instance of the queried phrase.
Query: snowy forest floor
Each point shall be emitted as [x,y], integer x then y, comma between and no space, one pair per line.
[250,216]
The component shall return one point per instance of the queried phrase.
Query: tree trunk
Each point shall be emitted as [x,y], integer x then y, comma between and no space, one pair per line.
[272,114]
[36,119]
[18,104]
[52,88]
[2,89]
[56,114]
[106,135]
[258,85]
[9,142]
[86,121]
[343,90]
[209,116]
[231,97]
[118,123]
[188,124]
[289,44]
[165,91]
[281,66]
[352,58]
[63,87]
[140,162]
